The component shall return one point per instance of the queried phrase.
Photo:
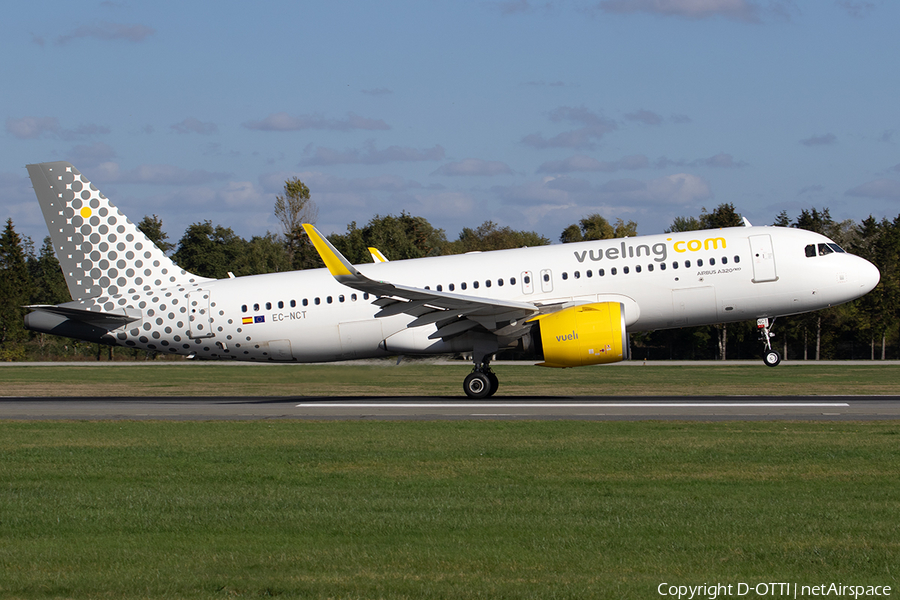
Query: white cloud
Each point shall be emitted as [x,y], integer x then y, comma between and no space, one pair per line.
[92,154]
[474,167]
[855,8]
[106,31]
[31,128]
[738,10]
[820,140]
[679,189]
[192,125]
[594,127]
[369,155]
[644,116]
[885,189]
[284,122]
[580,162]
[157,175]
[721,160]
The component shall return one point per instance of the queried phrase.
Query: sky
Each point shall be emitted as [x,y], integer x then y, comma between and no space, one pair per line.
[530,114]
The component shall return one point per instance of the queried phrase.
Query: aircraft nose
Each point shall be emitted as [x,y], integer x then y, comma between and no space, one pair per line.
[868,276]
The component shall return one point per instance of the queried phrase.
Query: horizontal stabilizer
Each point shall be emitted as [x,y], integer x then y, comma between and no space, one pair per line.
[80,323]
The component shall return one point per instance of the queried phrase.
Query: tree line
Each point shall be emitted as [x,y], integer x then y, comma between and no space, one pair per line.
[864,329]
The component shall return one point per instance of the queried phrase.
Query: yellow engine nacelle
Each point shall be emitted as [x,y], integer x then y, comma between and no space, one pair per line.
[590,334]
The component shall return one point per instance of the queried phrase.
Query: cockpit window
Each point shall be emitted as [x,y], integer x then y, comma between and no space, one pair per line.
[823,249]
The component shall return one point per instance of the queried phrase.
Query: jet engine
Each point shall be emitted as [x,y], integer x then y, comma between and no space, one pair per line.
[588,334]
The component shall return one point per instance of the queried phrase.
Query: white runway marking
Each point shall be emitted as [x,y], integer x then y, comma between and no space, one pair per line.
[573,405]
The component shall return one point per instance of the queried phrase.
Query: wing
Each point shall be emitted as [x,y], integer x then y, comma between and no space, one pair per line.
[453,313]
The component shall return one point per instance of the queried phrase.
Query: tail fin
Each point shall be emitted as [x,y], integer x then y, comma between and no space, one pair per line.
[102,253]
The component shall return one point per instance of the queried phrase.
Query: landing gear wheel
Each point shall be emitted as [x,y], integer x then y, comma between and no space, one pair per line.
[771,358]
[495,383]
[478,385]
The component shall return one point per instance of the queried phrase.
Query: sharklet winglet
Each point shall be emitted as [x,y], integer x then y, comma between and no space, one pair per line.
[337,265]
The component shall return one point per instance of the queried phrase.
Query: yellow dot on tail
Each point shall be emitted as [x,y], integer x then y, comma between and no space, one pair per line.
[86,212]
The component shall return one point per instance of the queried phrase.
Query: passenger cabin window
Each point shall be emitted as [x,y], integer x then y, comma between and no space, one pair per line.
[244,308]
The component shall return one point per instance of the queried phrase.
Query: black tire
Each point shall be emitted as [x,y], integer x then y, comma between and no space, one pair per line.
[772,358]
[495,383]
[477,385]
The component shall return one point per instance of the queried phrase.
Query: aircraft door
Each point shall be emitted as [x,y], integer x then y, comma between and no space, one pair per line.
[527,282]
[763,258]
[200,317]
[546,281]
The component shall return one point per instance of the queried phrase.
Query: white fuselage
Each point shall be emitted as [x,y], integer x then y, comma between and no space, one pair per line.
[663,281]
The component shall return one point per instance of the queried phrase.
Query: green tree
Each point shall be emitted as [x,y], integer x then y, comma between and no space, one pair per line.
[263,254]
[398,237]
[294,208]
[48,281]
[152,228]
[684,224]
[597,227]
[490,236]
[211,251]
[782,220]
[723,215]
[15,292]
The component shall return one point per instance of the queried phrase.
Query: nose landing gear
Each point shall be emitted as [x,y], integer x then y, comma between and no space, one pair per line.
[771,357]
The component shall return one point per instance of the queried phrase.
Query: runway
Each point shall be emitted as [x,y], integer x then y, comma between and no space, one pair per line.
[705,408]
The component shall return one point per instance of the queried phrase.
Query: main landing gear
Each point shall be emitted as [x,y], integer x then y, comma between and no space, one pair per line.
[770,356]
[481,383]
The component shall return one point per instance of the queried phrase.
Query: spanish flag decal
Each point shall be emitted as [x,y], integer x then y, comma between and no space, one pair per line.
[247,321]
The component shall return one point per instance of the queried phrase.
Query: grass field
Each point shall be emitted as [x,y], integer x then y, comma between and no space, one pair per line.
[453,509]
[423,379]
[442,510]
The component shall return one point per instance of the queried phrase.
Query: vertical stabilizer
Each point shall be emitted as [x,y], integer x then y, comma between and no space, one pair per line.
[102,253]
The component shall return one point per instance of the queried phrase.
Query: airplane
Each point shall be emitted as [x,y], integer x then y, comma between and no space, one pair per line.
[564,305]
